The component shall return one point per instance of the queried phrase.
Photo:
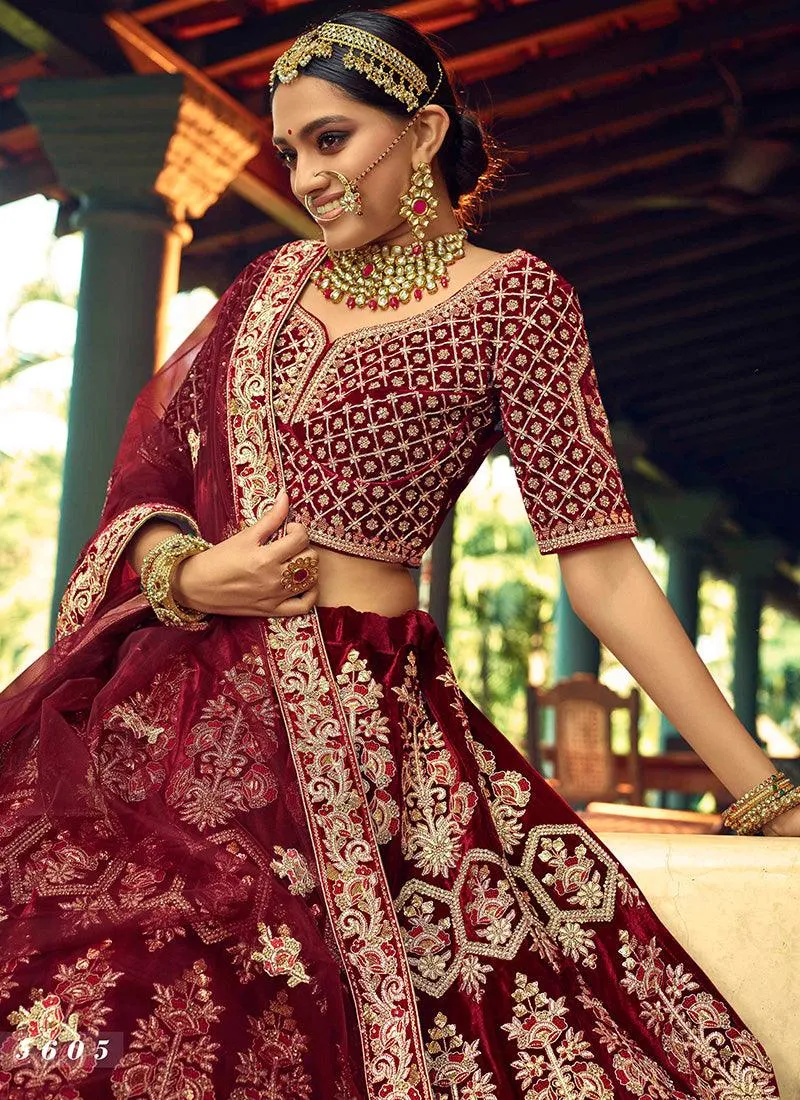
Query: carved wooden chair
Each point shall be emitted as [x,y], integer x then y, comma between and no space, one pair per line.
[585,767]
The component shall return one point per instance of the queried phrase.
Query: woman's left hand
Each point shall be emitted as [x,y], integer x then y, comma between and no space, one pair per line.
[787,824]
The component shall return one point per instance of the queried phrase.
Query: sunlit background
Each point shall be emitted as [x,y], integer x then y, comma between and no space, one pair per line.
[503,592]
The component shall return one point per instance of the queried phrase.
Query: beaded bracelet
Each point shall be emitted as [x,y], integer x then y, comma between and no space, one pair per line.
[155,577]
[767,800]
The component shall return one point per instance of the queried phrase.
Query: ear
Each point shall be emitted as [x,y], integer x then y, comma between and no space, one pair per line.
[430,127]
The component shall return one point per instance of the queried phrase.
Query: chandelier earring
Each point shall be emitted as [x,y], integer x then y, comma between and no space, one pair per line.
[418,204]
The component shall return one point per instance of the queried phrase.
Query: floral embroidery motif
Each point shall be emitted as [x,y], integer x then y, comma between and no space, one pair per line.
[272,1068]
[437,806]
[507,792]
[147,713]
[227,747]
[453,1064]
[87,585]
[369,728]
[280,954]
[554,1060]
[694,1027]
[447,932]
[293,865]
[356,892]
[633,1069]
[73,1010]
[171,1052]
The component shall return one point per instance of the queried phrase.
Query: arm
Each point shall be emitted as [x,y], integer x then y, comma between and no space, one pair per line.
[613,592]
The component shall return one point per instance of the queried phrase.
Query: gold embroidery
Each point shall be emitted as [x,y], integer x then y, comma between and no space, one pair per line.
[369,728]
[354,883]
[453,1064]
[226,771]
[171,1052]
[87,585]
[436,808]
[550,1050]
[272,1069]
[693,1025]
[74,1010]
[293,866]
[507,792]
[280,954]
[193,439]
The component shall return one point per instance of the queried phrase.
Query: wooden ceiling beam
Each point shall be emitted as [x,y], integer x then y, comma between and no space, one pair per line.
[627,55]
[152,13]
[743,297]
[667,142]
[34,35]
[697,280]
[650,99]
[258,42]
[720,241]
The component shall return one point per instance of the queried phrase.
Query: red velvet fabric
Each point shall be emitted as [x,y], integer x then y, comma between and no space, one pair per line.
[289,857]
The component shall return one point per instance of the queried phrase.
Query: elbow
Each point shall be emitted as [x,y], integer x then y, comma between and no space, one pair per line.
[594,574]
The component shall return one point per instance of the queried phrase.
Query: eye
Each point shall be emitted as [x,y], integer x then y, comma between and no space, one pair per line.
[329,139]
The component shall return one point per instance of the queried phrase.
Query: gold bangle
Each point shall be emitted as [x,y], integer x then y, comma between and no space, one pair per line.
[757,807]
[158,567]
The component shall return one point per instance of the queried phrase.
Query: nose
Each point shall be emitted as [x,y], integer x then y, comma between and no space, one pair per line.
[307,182]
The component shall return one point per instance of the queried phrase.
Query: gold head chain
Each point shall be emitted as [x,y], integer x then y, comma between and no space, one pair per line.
[369,55]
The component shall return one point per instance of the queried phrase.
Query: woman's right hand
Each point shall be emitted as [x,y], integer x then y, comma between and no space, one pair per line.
[241,576]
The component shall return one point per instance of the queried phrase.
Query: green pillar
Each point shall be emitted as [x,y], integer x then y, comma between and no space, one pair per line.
[752,562]
[682,523]
[441,569]
[142,153]
[577,649]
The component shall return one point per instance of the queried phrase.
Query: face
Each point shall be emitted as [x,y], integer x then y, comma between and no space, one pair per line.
[318,128]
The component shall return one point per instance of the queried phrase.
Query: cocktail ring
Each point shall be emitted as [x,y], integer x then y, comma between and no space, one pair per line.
[299,574]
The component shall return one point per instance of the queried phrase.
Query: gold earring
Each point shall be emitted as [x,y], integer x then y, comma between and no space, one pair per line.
[418,204]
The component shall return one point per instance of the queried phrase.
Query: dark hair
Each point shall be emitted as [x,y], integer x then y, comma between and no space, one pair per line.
[468,156]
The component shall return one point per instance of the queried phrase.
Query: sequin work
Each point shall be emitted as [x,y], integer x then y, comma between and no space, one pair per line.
[383,428]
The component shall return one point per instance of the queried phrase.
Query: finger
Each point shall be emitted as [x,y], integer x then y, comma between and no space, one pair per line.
[297,605]
[272,519]
[294,542]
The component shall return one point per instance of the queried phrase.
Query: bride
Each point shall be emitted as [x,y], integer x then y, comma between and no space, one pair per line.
[256,841]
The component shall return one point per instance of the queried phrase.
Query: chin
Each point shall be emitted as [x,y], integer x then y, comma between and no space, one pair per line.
[339,235]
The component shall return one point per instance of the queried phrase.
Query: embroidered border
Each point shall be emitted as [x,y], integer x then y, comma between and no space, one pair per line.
[351,874]
[87,585]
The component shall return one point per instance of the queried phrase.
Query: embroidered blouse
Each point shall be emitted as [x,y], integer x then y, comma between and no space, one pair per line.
[383,428]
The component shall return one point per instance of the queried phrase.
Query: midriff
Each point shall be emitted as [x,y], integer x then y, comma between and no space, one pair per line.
[364,583]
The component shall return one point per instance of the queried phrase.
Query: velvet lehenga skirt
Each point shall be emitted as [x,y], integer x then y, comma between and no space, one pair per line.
[166,934]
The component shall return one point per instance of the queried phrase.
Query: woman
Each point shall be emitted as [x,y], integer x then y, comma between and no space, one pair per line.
[258,843]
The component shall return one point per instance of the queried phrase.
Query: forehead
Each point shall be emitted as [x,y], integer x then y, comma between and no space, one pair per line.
[306,97]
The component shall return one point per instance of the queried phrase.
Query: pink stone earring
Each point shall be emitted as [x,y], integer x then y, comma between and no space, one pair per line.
[418,204]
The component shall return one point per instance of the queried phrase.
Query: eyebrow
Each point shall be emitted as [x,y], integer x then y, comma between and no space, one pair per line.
[310,126]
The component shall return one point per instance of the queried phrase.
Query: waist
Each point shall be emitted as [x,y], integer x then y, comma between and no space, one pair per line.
[364,583]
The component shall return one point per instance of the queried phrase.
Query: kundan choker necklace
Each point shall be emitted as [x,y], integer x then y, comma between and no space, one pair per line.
[384,276]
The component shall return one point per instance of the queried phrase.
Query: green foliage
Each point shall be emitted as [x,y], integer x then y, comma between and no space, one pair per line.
[502,596]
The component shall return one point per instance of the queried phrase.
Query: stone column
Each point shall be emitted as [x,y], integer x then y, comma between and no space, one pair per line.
[577,649]
[441,568]
[683,523]
[752,562]
[142,153]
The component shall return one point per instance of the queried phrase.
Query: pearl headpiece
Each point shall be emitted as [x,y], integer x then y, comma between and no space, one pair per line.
[365,52]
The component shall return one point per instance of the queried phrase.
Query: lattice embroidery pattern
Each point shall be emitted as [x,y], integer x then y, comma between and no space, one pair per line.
[378,470]
[553,417]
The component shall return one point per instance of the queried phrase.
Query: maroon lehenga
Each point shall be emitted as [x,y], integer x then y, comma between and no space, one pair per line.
[288,857]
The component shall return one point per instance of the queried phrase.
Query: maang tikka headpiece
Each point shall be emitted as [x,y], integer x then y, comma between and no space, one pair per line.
[369,55]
